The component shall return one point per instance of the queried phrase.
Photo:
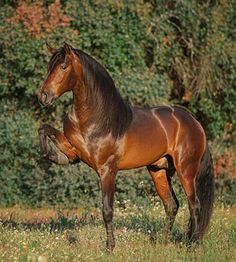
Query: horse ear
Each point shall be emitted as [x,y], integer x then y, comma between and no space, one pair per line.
[67,48]
[51,49]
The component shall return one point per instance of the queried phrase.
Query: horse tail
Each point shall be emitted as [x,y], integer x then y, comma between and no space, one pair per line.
[205,191]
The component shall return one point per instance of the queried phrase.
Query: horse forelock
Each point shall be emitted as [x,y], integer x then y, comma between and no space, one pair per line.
[57,58]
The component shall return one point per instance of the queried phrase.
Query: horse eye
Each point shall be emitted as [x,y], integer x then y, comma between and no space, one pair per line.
[63,66]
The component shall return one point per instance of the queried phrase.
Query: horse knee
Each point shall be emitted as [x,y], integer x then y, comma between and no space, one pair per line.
[107,213]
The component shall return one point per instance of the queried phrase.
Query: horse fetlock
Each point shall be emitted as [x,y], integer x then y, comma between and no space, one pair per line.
[193,231]
[110,244]
[172,208]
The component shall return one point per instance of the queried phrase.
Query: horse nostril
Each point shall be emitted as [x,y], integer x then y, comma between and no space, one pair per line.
[44,97]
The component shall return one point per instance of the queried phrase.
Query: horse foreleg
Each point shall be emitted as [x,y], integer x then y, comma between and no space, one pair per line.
[62,153]
[108,188]
[162,182]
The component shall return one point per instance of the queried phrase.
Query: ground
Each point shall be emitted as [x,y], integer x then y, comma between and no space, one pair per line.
[79,235]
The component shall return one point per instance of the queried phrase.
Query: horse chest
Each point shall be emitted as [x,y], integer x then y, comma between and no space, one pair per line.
[74,135]
[95,151]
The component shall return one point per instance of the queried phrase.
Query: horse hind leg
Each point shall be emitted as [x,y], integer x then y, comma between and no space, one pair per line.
[161,175]
[188,181]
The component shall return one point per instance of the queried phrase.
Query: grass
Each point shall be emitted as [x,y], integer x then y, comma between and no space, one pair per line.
[79,235]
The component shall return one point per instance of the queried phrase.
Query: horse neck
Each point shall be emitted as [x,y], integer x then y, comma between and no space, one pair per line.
[115,118]
[80,105]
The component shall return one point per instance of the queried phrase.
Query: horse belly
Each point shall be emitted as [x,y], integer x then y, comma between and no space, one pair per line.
[143,145]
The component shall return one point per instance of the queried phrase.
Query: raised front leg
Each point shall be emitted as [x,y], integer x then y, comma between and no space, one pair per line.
[108,189]
[62,152]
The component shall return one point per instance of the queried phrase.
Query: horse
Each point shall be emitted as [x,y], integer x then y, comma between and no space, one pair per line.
[105,132]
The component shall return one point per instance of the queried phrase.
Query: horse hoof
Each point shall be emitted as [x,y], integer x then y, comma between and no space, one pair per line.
[110,247]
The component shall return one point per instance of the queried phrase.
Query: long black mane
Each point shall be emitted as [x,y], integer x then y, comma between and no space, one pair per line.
[110,112]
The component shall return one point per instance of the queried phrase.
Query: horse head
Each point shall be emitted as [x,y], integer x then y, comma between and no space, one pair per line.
[64,71]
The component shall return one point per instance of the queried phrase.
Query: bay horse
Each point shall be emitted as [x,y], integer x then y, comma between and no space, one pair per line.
[105,132]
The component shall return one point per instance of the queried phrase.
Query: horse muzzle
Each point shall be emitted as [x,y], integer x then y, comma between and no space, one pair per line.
[46,98]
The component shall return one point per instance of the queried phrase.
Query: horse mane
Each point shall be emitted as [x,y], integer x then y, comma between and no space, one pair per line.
[110,112]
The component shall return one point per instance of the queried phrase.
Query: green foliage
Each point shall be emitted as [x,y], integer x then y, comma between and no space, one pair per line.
[18,153]
[156,51]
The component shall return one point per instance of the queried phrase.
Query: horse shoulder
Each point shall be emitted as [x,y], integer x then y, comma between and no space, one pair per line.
[74,135]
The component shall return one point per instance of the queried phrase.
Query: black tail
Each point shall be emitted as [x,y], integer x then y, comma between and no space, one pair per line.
[205,192]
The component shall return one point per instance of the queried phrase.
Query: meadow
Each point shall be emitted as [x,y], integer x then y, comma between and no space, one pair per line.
[79,235]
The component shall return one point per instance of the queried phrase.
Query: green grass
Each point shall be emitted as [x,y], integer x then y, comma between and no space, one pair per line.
[79,235]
